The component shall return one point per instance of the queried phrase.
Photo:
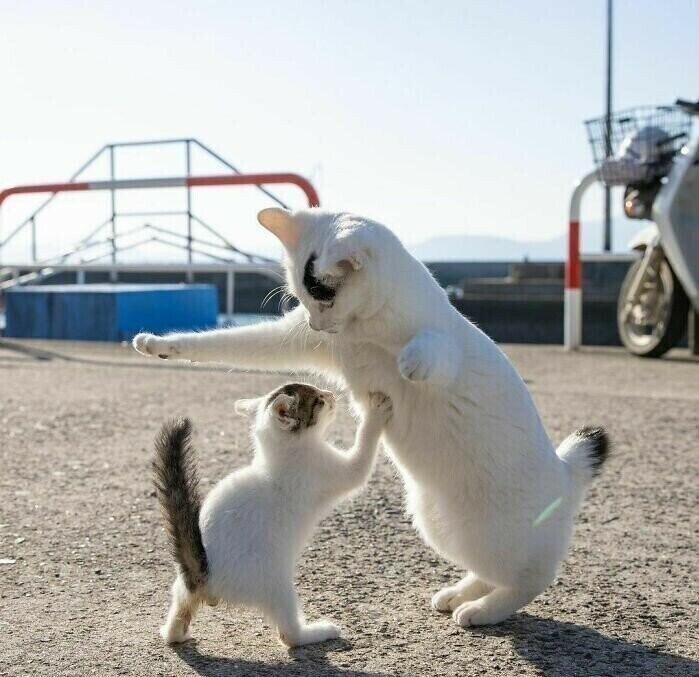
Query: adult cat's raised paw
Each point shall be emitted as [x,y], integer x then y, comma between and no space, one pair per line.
[416,363]
[152,346]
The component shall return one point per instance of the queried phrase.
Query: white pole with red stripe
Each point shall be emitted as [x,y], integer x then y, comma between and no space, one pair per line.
[572,310]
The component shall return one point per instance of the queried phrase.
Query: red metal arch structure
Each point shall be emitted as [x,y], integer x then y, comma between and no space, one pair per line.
[172,182]
[186,181]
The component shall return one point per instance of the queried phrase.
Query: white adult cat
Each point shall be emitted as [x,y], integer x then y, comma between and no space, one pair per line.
[241,546]
[484,485]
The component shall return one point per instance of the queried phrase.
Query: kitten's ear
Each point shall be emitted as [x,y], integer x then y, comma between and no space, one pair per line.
[280,222]
[247,407]
[282,408]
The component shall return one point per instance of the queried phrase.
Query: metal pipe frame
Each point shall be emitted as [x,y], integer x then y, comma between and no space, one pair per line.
[111,149]
[572,296]
[170,182]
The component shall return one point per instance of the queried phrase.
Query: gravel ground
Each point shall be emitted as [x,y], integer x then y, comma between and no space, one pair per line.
[84,572]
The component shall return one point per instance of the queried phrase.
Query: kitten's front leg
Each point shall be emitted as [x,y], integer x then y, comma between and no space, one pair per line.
[356,465]
[430,357]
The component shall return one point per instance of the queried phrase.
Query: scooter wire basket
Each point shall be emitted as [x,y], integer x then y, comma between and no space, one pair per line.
[639,143]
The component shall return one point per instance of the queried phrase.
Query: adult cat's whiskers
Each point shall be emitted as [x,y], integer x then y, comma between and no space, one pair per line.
[270,295]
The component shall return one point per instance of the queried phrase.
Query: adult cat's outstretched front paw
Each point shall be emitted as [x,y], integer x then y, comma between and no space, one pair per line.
[152,346]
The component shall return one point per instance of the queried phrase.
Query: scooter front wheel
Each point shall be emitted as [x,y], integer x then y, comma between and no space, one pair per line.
[657,319]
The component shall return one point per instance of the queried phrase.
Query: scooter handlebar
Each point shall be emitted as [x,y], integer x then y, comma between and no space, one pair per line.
[691,107]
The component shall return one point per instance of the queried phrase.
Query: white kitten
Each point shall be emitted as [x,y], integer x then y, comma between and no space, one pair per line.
[242,544]
[484,484]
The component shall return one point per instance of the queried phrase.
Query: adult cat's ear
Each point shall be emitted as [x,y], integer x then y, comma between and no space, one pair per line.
[280,222]
[342,257]
[247,407]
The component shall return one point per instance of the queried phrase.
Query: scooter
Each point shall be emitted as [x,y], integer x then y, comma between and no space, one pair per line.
[658,163]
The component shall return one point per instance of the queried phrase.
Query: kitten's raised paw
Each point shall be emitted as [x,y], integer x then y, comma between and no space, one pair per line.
[381,404]
[151,345]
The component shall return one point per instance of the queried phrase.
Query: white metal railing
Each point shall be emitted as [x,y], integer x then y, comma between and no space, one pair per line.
[23,273]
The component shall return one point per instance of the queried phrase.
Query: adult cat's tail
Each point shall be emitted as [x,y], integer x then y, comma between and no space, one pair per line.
[176,481]
[585,451]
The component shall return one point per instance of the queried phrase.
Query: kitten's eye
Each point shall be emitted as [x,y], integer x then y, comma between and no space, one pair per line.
[320,403]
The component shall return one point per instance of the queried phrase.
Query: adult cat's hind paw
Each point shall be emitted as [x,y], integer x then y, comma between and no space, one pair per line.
[446,599]
[151,346]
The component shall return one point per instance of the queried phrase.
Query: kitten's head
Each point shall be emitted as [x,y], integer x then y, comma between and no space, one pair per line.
[295,409]
[332,263]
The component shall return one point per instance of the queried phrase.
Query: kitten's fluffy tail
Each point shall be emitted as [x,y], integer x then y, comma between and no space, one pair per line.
[585,452]
[176,481]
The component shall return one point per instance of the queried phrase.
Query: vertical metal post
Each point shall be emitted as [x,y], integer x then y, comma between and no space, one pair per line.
[113,202]
[230,294]
[572,297]
[112,177]
[608,132]
[33,235]
[188,153]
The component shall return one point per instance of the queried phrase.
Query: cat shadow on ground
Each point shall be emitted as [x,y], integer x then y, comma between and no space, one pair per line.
[559,649]
[310,661]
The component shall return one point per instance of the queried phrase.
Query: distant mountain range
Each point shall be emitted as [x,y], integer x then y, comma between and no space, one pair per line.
[493,248]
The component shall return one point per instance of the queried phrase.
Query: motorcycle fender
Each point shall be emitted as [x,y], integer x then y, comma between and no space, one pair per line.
[644,238]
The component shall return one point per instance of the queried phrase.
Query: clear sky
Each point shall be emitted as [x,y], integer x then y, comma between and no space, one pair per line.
[434,117]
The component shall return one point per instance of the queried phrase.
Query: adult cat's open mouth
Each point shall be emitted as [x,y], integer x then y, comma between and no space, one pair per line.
[325,330]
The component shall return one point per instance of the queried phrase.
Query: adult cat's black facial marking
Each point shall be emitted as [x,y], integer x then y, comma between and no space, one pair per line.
[317,290]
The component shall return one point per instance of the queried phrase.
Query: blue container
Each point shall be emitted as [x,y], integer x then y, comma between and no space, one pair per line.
[106,312]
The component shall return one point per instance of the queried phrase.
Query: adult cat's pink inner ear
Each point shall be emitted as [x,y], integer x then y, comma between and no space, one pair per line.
[281,223]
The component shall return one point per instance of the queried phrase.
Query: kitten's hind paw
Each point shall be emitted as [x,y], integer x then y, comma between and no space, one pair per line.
[312,633]
[173,634]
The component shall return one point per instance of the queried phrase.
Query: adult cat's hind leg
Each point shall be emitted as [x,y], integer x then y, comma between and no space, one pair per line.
[291,625]
[183,608]
[494,607]
[453,596]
